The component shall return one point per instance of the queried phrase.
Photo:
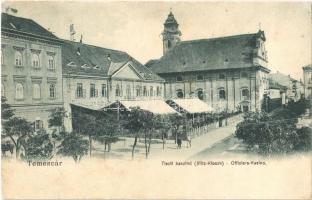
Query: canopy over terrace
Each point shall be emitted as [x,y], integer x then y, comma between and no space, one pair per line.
[190,106]
[154,106]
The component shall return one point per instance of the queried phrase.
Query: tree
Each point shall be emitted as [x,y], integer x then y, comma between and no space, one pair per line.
[56,118]
[139,121]
[6,111]
[85,124]
[269,134]
[107,130]
[73,145]
[19,128]
[38,146]
[305,139]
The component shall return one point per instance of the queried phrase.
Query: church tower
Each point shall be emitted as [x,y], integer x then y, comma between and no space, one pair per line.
[171,34]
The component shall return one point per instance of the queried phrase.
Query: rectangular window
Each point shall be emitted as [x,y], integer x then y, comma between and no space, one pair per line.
[92,90]
[138,90]
[104,90]
[151,91]
[79,90]
[51,62]
[144,91]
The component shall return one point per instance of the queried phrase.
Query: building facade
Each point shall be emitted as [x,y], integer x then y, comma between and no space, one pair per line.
[31,69]
[94,77]
[293,86]
[228,73]
[307,81]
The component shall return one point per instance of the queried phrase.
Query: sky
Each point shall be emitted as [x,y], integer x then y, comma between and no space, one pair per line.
[135,27]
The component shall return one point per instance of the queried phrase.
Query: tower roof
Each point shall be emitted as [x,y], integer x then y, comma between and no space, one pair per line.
[170,19]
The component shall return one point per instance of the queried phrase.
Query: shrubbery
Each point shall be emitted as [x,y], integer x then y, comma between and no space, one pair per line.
[274,133]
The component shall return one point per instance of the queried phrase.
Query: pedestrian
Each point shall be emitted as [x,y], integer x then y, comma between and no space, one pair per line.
[189,140]
[179,142]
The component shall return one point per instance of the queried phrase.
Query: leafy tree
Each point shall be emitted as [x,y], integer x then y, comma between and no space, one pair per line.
[107,130]
[6,111]
[19,128]
[38,146]
[269,134]
[85,124]
[305,139]
[139,121]
[73,145]
[56,118]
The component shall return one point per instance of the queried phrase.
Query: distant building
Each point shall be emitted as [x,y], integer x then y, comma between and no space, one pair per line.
[293,86]
[307,81]
[31,69]
[228,73]
[94,77]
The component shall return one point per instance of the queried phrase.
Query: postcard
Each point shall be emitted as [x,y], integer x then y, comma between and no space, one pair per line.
[156,100]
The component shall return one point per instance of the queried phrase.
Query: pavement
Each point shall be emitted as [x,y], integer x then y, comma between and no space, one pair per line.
[123,149]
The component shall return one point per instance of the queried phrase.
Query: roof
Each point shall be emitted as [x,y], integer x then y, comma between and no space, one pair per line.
[84,59]
[193,105]
[208,54]
[153,106]
[307,67]
[24,25]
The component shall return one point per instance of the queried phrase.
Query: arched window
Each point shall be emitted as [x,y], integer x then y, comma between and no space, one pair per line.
[118,93]
[151,91]
[221,93]
[35,60]
[50,62]
[18,58]
[19,91]
[36,91]
[158,93]
[244,94]
[52,91]
[200,94]
[180,93]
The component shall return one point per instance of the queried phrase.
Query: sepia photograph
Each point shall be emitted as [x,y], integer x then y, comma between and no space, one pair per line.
[156,100]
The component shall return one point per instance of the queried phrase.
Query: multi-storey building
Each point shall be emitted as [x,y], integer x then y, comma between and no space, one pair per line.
[95,77]
[307,81]
[293,86]
[31,69]
[228,73]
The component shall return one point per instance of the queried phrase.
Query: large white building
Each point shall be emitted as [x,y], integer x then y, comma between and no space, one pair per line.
[228,73]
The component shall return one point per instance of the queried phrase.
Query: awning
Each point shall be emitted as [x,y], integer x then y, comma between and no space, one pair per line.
[193,105]
[90,107]
[153,106]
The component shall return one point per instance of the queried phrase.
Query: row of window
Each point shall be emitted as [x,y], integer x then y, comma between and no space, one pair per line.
[221,94]
[201,77]
[35,59]
[36,91]
[139,91]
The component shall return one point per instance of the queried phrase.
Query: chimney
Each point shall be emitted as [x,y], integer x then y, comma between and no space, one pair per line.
[108,57]
[72,32]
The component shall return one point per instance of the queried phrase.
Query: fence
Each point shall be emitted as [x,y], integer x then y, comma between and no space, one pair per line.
[198,131]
